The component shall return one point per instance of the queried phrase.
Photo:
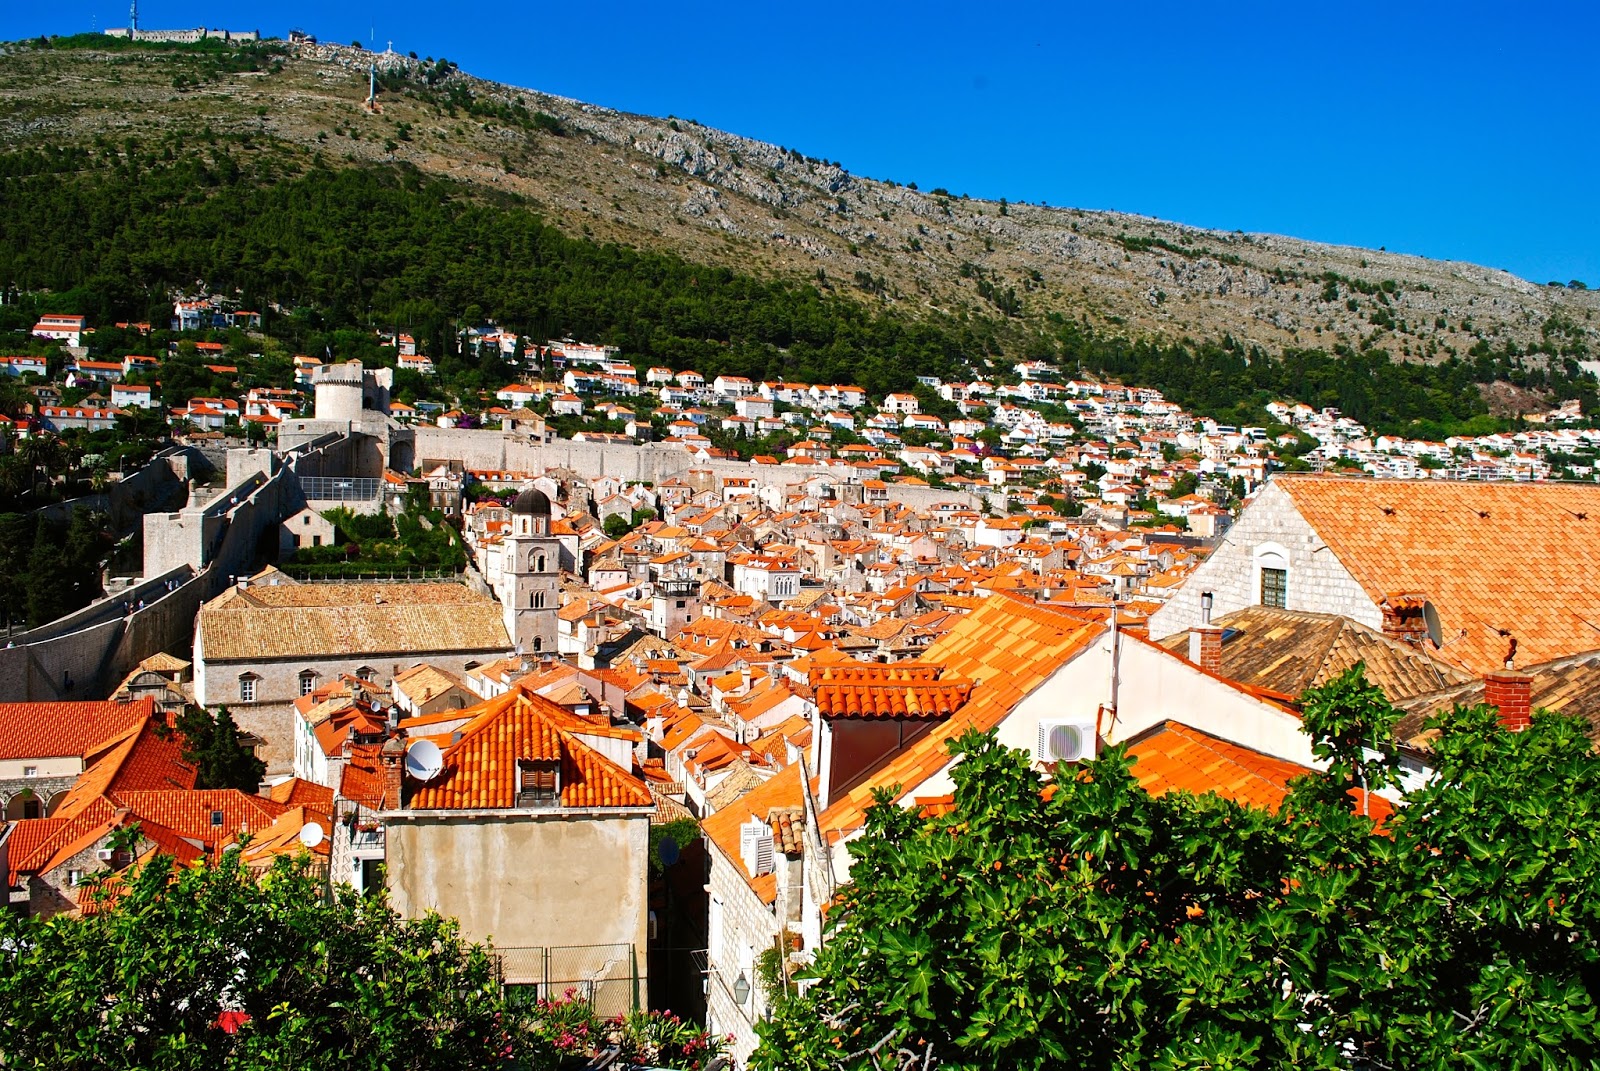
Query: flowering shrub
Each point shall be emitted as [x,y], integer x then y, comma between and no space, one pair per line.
[567,1031]
[564,1028]
[664,1040]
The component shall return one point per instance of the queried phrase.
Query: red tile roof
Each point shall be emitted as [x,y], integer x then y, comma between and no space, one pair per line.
[480,769]
[1007,647]
[1173,756]
[55,730]
[1519,557]
[190,813]
[906,690]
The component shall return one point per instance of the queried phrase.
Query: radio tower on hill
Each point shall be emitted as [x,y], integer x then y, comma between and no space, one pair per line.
[133,18]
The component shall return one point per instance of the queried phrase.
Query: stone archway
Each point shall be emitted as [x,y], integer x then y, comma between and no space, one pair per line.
[25,804]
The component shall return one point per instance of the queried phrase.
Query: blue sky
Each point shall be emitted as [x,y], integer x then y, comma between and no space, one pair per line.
[1461,131]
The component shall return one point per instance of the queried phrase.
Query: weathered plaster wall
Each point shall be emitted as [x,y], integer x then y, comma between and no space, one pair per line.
[527,878]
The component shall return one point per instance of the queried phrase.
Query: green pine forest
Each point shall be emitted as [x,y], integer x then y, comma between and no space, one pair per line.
[111,231]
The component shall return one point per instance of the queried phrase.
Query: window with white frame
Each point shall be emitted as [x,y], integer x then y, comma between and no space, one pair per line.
[308,682]
[247,689]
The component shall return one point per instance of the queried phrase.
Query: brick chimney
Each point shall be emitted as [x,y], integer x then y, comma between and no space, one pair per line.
[393,758]
[1404,617]
[1205,639]
[1510,693]
[1205,648]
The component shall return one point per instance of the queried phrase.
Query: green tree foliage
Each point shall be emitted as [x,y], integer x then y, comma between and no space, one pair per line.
[391,244]
[51,567]
[344,249]
[1091,925]
[211,744]
[326,982]
[681,830]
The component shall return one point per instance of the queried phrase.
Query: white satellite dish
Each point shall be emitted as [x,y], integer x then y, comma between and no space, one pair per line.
[311,834]
[424,760]
[1430,618]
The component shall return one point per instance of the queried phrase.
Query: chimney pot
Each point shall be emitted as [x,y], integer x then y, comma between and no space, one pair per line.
[1511,694]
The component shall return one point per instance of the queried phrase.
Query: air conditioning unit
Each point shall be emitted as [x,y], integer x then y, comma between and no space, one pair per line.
[105,855]
[1066,740]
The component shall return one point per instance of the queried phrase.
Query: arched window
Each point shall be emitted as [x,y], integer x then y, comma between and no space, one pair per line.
[538,644]
[1272,575]
[538,600]
[538,563]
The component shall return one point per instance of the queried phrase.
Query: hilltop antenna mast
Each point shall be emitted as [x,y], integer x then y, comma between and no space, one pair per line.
[133,17]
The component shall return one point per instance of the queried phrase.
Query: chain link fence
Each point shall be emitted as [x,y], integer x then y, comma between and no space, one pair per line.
[607,976]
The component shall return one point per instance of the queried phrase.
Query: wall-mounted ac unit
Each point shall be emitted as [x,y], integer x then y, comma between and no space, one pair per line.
[105,855]
[1065,740]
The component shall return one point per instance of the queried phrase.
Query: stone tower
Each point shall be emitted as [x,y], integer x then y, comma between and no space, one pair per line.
[530,579]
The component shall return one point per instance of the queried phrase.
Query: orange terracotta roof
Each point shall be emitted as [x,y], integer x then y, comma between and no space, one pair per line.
[28,836]
[148,758]
[782,790]
[190,813]
[298,792]
[1007,647]
[1173,756]
[54,730]
[362,779]
[1522,557]
[480,768]
[894,691]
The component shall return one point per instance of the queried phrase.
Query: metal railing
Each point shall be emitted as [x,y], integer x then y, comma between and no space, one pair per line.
[340,488]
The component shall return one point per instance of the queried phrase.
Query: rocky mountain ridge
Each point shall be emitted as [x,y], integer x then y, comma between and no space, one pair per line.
[719,198]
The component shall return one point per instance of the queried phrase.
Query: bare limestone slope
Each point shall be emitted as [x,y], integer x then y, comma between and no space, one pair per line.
[719,198]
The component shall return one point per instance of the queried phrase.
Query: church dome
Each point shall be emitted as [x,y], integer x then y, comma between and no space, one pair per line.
[532,501]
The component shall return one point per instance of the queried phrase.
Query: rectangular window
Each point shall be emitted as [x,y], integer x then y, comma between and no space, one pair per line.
[247,689]
[1275,588]
[74,877]
[30,771]
[307,683]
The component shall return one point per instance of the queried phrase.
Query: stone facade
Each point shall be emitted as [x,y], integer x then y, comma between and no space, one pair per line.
[1270,533]
[740,928]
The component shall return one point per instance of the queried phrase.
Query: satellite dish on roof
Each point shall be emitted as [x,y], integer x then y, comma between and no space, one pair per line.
[311,834]
[1430,618]
[424,760]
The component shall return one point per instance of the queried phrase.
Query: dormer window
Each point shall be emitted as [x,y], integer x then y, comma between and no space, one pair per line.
[308,682]
[538,782]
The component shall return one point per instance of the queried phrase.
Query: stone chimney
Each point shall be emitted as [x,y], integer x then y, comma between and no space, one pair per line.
[1205,640]
[1510,693]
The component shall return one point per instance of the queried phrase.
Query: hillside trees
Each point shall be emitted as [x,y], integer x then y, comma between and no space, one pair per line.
[342,249]
[1089,924]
